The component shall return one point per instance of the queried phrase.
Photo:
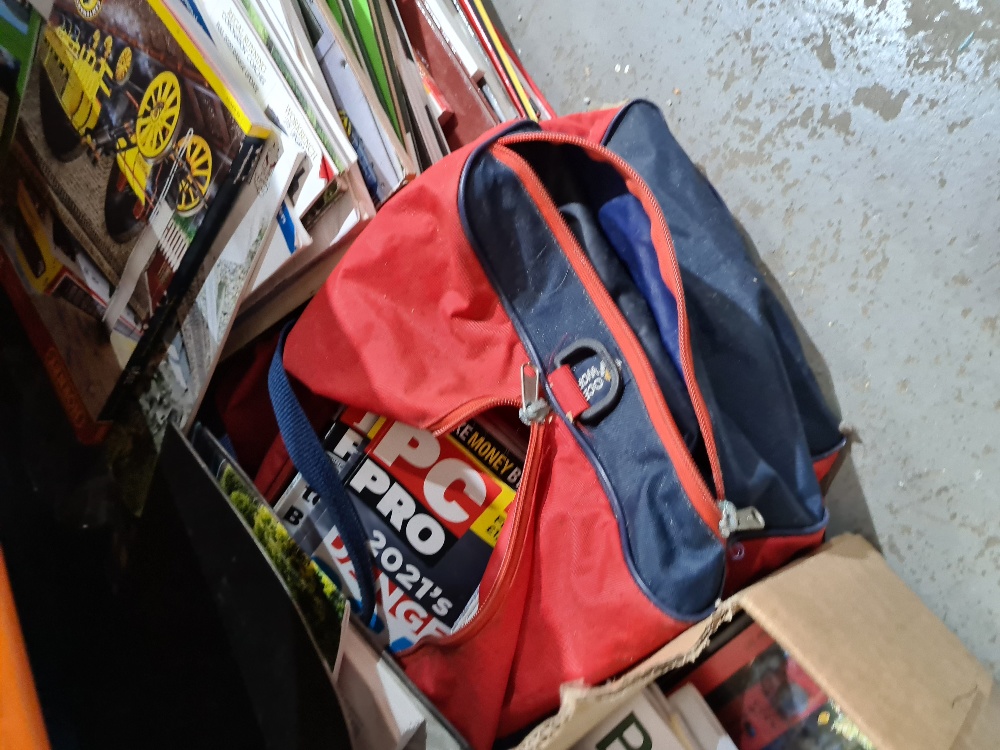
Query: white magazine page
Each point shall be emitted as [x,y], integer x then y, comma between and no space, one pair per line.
[297,39]
[351,98]
[282,37]
[249,59]
[699,718]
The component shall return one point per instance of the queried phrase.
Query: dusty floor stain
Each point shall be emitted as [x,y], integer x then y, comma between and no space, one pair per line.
[824,52]
[881,101]
[840,122]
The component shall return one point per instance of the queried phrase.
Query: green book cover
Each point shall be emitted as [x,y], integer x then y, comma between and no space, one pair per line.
[316,595]
[364,26]
[19,26]
[337,15]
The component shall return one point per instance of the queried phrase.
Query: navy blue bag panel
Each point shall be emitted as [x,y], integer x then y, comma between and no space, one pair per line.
[588,196]
[770,419]
[664,358]
[675,558]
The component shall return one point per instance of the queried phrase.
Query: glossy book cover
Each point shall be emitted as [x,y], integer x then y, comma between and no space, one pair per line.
[130,150]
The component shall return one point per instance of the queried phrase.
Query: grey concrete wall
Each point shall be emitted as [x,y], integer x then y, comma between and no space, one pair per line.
[857,143]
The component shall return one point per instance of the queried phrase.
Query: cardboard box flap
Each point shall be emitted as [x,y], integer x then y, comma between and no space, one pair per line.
[865,638]
[873,646]
[582,707]
[982,728]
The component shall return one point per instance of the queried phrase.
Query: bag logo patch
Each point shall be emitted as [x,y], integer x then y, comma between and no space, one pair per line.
[594,379]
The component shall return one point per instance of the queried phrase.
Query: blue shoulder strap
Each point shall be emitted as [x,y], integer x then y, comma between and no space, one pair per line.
[309,457]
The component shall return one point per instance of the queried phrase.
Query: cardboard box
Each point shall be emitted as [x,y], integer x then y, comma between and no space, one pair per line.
[846,618]
[860,633]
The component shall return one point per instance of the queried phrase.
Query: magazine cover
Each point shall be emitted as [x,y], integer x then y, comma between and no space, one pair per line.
[18,32]
[639,724]
[129,153]
[181,378]
[766,701]
[433,508]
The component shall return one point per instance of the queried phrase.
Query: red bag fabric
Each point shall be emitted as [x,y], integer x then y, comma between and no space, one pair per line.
[528,249]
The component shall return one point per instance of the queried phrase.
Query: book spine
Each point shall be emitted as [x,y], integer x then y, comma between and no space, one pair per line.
[164,324]
[260,25]
[184,38]
[238,41]
[87,430]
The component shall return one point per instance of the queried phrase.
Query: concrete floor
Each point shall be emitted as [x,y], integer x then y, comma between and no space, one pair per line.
[856,142]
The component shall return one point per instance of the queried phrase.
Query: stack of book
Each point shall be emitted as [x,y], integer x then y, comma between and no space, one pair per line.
[652,721]
[745,693]
[761,697]
[182,174]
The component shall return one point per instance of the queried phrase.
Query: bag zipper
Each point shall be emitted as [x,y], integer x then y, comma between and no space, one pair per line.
[738,519]
[467,411]
[532,407]
[520,520]
[711,509]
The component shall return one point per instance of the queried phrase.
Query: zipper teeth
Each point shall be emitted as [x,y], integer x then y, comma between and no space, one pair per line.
[519,519]
[467,411]
[684,334]
[706,503]
[520,516]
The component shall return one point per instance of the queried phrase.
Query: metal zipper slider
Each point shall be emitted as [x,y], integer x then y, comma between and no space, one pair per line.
[534,408]
[738,519]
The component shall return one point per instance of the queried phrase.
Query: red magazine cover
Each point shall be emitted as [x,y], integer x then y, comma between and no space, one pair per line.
[766,701]
[433,507]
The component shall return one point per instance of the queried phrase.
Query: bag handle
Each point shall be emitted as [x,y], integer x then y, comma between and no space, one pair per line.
[309,457]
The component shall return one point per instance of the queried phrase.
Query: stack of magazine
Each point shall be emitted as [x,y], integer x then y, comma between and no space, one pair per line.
[182,174]
[652,721]
[432,520]
[753,693]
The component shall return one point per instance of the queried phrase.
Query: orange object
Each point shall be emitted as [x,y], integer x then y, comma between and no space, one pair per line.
[21,725]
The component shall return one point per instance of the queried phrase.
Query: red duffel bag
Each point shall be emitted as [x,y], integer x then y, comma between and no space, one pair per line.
[586,274]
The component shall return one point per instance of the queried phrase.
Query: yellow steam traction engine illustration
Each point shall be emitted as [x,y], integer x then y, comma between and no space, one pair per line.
[105,96]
